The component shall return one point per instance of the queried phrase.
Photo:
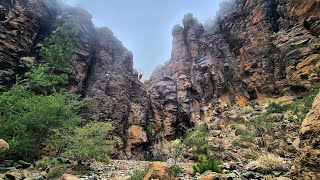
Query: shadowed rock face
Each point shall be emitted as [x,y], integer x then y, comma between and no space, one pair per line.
[103,67]
[258,49]
[20,25]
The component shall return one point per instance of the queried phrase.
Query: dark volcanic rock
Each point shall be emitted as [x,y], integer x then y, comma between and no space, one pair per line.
[257,49]
[103,67]
[20,26]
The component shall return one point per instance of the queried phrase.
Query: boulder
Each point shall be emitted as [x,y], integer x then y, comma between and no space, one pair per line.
[15,175]
[4,146]
[307,163]
[311,123]
[159,170]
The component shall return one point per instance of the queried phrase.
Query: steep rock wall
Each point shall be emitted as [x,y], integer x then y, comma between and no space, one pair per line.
[258,50]
[103,66]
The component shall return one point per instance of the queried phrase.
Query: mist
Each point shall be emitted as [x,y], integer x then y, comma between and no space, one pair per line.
[145,27]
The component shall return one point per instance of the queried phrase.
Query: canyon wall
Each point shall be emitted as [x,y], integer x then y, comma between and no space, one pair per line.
[255,51]
[103,66]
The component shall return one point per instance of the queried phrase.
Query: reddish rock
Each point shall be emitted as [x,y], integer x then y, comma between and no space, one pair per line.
[158,170]
[136,136]
[308,161]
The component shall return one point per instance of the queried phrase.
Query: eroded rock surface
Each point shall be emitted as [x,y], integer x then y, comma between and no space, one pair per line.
[258,50]
[308,161]
[103,66]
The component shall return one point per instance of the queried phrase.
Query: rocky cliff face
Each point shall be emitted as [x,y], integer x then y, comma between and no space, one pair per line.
[307,162]
[103,66]
[257,51]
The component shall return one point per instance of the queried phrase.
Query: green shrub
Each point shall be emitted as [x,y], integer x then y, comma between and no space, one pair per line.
[261,125]
[176,170]
[258,126]
[248,110]
[57,55]
[91,142]
[47,162]
[55,172]
[137,175]
[51,165]
[37,107]
[197,137]
[39,80]
[58,49]
[175,148]
[274,107]
[204,164]
[28,119]
[245,132]
[302,106]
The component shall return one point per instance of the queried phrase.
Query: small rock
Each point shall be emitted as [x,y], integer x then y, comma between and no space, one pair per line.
[43,173]
[209,175]
[93,177]
[296,144]
[67,177]
[276,173]
[4,146]
[39,177]
[24,164]
[231,176]
[253,166]
[122,167]
[249,175]
[283,178]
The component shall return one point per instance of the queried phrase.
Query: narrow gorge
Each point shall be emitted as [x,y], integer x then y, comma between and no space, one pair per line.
[256,51]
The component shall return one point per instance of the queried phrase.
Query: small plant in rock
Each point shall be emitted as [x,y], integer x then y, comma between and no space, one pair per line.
[26,62]
[176,170]
[197,137]
[244,132]
[248,110]
[274,107]
[47,162]
[55,172]
[175,148]
[51,165]
[138,175]
[206,163]
[301,107]
[258,127]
